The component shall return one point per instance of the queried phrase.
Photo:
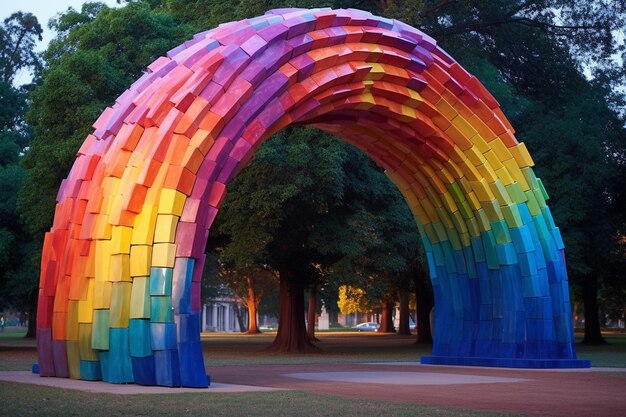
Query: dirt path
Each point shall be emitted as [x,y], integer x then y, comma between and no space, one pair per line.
[533,393]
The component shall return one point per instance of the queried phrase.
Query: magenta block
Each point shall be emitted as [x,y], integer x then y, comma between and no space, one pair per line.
[195,297]
[198,267]
[212,92]
[230,169]
[240,150]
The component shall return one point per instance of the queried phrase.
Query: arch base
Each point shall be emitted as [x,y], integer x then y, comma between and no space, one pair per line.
[506,362]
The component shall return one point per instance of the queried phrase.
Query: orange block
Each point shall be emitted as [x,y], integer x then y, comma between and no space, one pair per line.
[177,149]
[192,160]
[202,140]
[59,325]
[179,178]
[129,136]
[213,123]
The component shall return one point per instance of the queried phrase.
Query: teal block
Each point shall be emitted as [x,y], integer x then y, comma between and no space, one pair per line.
[522,239]
[140,338]
[558,239]
[161,309]
[541,228]
[501,232]
[448,256]
[470,263]
[116,364]
[438,254]
[489,245]
[90,371]
[431,265]
[549,249]
[477,249]
[100,330]
[506,254]
[161,281]
[547,216]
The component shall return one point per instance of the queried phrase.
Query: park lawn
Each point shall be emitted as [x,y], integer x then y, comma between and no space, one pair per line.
[33,400]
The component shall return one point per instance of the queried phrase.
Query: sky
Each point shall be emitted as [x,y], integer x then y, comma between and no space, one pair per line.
[44,10]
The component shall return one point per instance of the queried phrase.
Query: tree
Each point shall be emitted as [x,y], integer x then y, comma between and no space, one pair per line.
[18,35]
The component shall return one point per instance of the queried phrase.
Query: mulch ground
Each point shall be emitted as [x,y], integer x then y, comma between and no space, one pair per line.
[545,393]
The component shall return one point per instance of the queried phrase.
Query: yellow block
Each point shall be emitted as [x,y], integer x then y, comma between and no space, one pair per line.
[120,267]
[493,159]
[475,156]
[488,174]
[482,190]
[377,72]
[140,260]
[470,172]
[516,173]
[143,229]
[473,200]
[480,143]
[102,294]
[73,357]
[140,298]
[120,239]
[71,332]
[459,222]
[85,307]
[430,210]
[445,175]
[504,176]
[102,260]
[84,343]
[165,230]
[500,149]
[163,255]
[171,202]
[521,155]
[408,112]
[446,110]
[449,202]
[120,304]
[464,127]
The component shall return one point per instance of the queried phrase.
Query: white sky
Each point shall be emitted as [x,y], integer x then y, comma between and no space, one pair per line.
[44,10]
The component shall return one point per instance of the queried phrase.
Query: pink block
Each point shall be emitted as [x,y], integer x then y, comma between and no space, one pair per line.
[240,150]
[186,239]
[190,210]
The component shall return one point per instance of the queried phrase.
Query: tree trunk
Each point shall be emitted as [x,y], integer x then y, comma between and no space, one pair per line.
[386,317]
[31,333]
[593,335]
[238,313]
[403,325]
[253,304]
[291,335]
[312,313]
[425,302]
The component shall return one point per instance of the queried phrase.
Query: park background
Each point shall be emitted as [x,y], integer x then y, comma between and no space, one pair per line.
[556,67]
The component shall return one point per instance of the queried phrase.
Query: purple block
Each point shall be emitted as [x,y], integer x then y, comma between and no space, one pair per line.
[234,60]
[423,54]
[300,25]
[229,170]
[272,86]
[254,73]
[44,352]
[254,46]
[59,354]
[304,64]
[300,44]
[198,267]
[240,150]
[195,297]
[272,32]
[336,35]
[417,83]
[212,92]
[304,109]
[272,113]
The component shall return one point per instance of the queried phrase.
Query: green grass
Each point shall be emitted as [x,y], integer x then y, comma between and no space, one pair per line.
[611,355]
[32,400]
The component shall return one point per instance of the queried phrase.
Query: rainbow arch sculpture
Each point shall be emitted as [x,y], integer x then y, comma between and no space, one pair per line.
[119,296]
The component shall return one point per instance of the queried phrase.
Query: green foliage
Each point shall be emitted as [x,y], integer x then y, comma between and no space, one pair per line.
[18,35]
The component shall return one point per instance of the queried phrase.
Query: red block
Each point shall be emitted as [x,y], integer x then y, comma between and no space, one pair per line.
[45,306]
[217,194]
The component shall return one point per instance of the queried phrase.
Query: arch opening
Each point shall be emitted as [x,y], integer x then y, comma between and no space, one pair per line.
[120,280]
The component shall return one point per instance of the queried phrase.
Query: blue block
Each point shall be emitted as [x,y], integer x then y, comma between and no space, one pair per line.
[140,338]
[522,239]
[163,336]
[90,371]
[527,264]
[547,216]
[470,262]
[188,328]
[192,372]
[506,254]
[161,281]
[477,249]
[438,254]
[558,239]
[524,213]
[431,265]
[144,370]
[459,261]
[167,368]
[181,285]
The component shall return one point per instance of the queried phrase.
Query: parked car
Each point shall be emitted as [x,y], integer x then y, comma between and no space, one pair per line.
[367,327]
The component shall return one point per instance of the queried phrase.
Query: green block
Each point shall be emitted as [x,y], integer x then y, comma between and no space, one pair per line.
[161,309]
[454,239]
[530,177]
[541,200]
[492,209]
[512,216]
[542,229]
[501,232]
[533,205]
[430,232]
[100,330]
[516,193]
[140,298]
[465,209]
[73,358]
[440,230]
[457,193]
[544,193]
